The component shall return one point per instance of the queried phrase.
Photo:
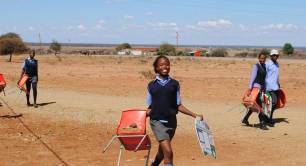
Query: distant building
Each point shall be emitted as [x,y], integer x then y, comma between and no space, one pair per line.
[146,51]
[198,53]
[138,51]
[124,52]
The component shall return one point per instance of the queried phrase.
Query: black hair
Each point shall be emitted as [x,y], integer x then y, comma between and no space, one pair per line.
[155,63]
[32,52]
[262,53]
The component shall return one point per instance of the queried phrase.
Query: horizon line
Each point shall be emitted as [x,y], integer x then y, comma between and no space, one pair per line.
[157,45]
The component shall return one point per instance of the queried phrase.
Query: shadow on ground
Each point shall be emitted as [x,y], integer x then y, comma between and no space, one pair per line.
[11,116]
[46,103]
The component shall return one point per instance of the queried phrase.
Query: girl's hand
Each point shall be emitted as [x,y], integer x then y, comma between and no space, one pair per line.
[148,112]
[199,116]
[249,92]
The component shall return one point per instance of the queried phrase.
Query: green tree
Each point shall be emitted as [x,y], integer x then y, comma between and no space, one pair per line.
[55,46]
[288,49]
[123,46]
[11,43]
[166,49]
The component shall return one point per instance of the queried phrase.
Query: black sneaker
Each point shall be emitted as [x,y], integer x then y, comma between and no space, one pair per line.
[263,126]
[270,123]
[246,122]
[29,104]
[35,106]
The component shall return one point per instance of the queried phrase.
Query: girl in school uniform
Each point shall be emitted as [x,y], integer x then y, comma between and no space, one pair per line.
[164,103]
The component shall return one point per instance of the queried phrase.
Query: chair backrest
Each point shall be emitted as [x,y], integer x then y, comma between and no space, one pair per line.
[22,81]
[281,99]
[2,78]
[2,82]
[133,122]
[132,129]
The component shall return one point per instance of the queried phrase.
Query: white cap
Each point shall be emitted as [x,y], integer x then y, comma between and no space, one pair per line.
[274,52]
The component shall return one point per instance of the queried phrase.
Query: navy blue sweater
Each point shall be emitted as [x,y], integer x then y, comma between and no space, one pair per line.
[31,67]
[164,104]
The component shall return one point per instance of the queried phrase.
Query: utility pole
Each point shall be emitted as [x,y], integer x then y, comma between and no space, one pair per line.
[177,38]
[40,49]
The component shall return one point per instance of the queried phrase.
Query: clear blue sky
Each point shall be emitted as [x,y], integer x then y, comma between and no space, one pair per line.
[208,22]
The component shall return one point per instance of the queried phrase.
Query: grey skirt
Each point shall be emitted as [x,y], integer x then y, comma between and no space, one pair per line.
[162,131]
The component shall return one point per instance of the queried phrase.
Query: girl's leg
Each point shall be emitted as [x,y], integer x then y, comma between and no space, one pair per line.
[167,151]
[262,121]
[164,135]
[159,157]
[246,117]
[34,86]
[274,96]
[28,88]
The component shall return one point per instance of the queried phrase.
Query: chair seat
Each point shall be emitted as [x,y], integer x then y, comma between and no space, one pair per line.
[132,129]
[22,81]
[131,143]
[250,102]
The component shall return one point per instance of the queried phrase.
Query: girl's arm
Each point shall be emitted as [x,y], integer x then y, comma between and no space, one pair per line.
[22,73]
[37,71]
[253,76]
[148,111]
[185,111]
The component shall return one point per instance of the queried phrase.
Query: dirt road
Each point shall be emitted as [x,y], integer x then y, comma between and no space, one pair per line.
[80,99]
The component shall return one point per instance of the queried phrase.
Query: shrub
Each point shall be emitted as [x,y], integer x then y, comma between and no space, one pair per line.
[148,74]
[166,49]
[243,54]
[182,53]
[123,46]
[56,47]
[219,52]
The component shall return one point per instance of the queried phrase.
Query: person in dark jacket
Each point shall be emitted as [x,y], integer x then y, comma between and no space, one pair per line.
[30,68]
[257,80]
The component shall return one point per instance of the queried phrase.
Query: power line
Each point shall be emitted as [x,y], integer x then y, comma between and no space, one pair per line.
[40,44]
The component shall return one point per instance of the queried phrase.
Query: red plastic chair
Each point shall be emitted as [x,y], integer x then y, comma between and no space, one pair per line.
[282,99]
[22,82]
[131,133]
[249,101]
[2,83]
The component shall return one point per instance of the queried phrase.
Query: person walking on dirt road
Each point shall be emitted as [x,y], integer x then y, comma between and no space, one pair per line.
[30,68]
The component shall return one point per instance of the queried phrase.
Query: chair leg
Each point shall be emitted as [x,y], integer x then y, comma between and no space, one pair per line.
[137,147]
[148,156]
[109,143]
[119,156]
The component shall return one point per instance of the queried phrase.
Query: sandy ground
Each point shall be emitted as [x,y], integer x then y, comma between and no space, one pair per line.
[80,100]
